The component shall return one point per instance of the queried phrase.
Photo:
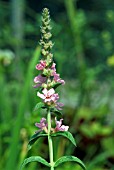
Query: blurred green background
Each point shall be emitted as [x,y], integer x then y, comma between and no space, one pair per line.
[83,33]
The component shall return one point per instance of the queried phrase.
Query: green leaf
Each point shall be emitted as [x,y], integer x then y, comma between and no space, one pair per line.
[56,85]
[39,105]
[65,134]
[34,159]
[69,158]
[34,138]
[57,112]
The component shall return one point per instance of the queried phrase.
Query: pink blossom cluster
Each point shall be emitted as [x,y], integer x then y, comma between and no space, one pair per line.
[46,81]
[40,79]
[50,97]
[59,127]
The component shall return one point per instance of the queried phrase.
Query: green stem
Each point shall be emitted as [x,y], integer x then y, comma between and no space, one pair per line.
[50,140]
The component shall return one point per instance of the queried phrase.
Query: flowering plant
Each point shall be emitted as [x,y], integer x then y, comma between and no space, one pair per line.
[46,83]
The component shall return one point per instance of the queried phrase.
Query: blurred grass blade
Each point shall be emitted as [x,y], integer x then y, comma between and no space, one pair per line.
[14,149]
[100,159]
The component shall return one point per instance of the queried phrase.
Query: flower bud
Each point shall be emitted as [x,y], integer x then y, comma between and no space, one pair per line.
[44,85]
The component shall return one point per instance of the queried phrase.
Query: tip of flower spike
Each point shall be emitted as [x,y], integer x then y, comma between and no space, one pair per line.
[45,11]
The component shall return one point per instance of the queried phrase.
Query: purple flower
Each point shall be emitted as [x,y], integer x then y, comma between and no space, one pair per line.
[39,80]
[42,125]
[59,126]
[55,97]
[41,65]
[48,95]
[59,105]
[53,67]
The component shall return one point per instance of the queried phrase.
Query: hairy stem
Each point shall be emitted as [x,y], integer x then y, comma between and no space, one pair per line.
[50,140]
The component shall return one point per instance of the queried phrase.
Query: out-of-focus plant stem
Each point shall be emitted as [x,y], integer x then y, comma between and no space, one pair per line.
[17,23]
[76,31]
[72,13]
[17,20]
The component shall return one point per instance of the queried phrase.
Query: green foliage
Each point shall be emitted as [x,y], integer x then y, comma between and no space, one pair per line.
[67,159]
[39,105]
[98,160]
[35,159]
[58,113]
[56,85]
[34,138]
[66,134]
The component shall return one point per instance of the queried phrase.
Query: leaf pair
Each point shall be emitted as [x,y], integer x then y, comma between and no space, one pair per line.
[36,136]
[56,164]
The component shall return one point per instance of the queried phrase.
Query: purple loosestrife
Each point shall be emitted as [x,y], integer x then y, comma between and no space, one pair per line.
[46,83]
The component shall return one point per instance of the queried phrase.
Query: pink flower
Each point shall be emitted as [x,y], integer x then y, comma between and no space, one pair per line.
[59,126]
[42,125]
[58,79]
[48,95]
[41,66]
[39,80]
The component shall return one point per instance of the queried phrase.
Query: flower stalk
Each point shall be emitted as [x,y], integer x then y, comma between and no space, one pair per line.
[50,142]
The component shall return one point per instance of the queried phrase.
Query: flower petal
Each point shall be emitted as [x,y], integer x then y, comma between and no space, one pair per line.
[58,123]
[45,91]
[64,128]
[51,91]
[40,95]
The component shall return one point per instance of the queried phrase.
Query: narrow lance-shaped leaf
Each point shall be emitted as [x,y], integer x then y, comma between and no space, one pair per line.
[69,158]
[58,113]
[35,137]
[66,134]
[34,159]
[39,105]
[56,85]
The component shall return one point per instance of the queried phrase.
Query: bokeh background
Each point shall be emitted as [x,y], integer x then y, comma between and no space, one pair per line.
[83,34]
